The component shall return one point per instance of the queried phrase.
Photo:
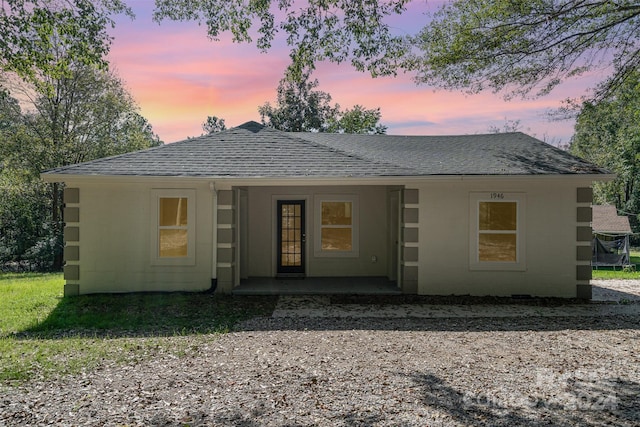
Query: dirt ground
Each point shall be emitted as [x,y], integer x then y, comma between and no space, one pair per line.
[343,371]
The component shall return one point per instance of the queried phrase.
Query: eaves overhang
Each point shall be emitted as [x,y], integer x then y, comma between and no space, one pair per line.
[319,180]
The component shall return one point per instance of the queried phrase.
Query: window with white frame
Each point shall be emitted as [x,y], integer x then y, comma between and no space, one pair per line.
[336,226]
[173,227]
[497,231]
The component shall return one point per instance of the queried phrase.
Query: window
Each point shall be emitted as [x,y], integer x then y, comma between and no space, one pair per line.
[173,227]
[496,227]
[337,226]
[497,231]
[173,237]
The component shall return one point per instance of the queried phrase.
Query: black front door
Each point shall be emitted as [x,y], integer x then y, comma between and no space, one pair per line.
[291,238]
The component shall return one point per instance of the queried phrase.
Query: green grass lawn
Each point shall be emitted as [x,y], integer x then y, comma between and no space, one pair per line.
[618,273]
[44,334]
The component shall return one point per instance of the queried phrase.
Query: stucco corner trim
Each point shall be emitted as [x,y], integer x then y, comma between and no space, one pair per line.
[584,291]
[584,195]
[71,290]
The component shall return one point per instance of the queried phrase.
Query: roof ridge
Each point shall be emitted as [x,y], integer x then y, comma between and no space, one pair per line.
[354,155]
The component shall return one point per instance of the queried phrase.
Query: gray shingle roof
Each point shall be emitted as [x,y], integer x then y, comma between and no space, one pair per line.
[606,220]
[491,154]
[252,150]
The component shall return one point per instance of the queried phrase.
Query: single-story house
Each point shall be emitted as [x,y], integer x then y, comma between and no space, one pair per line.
[610,245]
[499,214]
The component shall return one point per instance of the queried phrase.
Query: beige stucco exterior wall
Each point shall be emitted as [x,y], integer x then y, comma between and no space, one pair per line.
[444,235]
[109,245]
[373,234]
[115,245]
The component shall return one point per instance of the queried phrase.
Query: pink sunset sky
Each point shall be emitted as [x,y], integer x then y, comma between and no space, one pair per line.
[179,77]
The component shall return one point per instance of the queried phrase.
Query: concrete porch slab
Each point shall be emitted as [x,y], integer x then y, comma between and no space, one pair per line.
[317,286]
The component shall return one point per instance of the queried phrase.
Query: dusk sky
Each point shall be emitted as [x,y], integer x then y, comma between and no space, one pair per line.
[179,77]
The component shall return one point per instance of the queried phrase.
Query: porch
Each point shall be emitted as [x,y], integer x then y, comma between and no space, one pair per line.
[341,239]
[317,285]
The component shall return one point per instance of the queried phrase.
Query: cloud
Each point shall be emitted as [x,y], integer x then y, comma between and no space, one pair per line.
[179,77]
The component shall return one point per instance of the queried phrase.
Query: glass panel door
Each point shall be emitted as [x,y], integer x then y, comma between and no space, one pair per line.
[291,237]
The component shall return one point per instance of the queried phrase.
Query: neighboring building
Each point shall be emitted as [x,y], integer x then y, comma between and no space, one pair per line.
[611,233]
[607,222]
[498,214]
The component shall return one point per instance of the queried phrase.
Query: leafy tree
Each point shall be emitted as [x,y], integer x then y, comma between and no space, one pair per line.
[608,134]
[55,49]
[9,111]
[10,116]
[26,235]
[11,127]
[359,120]
[302,108]
[522,46]
[335,30]
[213,124]
[528,46]
[43,38]
[299,108]
[24,206]
[87,114]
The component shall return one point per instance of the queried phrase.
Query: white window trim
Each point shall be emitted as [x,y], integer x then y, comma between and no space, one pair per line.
[156,195]
[355,226]
[497,196]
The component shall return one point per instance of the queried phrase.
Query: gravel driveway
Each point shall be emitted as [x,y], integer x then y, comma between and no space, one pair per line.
[304,371]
